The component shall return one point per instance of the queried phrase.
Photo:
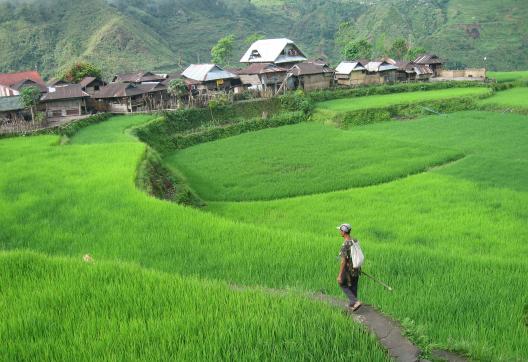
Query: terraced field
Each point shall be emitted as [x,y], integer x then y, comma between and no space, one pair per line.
[449,239]
[515,97]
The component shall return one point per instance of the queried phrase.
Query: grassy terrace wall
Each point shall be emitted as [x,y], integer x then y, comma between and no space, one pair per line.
[405,111]
[185,128]
[325,95]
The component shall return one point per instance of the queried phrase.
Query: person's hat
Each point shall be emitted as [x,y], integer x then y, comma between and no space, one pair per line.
[346,228]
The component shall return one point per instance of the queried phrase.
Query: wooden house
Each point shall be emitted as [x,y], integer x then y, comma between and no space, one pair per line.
[65,101]
[11,109]
[206,78]
[350,73]
[431,60]
[379,72]
[262,76]
[282,52]
[409,71]
[311,75]
[130,97]
[91,84]
[12,83]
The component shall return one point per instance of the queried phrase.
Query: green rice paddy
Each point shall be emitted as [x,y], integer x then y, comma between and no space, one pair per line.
[378,101]
[509,76]
[515,97]
[450,240]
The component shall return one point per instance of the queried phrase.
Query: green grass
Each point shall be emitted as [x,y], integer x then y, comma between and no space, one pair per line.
[297,160]
[516,97]
[60,309]
[451,241]
[378,101]
[509,76]
[110,132]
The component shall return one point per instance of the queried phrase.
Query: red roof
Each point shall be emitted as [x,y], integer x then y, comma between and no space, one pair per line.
[9,79]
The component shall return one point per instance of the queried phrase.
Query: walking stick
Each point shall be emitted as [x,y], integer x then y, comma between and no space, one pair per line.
[377,281]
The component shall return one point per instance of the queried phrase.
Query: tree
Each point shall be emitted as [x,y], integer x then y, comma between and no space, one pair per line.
[76,72]
[222,51]
[399,49]
[177,88]
[250,39]
[30,97]
[358,49]
[413,53]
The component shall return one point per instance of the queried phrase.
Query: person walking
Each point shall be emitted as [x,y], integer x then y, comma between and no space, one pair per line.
[348,277]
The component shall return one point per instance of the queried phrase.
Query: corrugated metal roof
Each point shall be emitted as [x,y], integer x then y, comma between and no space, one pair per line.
[68,91]
[262,68]
[269,51]
[11,104]
[138,77]
[428,59]
[206,72]
[118,90]
[349,67]
[308,68]
[377,66]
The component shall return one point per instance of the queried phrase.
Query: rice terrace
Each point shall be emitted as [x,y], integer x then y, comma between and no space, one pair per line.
[166,216]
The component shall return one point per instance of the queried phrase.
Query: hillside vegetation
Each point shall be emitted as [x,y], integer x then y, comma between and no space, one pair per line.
[168,34]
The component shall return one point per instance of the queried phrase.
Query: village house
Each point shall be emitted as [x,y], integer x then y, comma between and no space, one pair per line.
[91,84]
[431,60]
[138,77]
[282,52]
[362,72]
[12,83]
[130,97]
[205,78]
[311,75]
[350,73]
[11,109]
[409,71]
[262,76]
[65,101]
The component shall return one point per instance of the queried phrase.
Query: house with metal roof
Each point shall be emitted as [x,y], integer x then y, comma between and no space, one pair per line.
[130,97]
[350,73]
[65,101]
[12,83]
[433,61]
[138,77]
[282,52]
[11,109]
[209,77]
[311,75]
[262,76]
[91,84]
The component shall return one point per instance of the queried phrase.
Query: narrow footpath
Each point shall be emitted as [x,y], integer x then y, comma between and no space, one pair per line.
[389,332]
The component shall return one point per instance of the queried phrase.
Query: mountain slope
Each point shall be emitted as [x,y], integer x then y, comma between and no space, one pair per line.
[167,34]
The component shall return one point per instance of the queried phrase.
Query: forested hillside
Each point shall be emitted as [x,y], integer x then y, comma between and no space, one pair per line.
[167,34]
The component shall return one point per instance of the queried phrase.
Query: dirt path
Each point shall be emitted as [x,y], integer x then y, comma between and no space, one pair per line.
[388,331]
